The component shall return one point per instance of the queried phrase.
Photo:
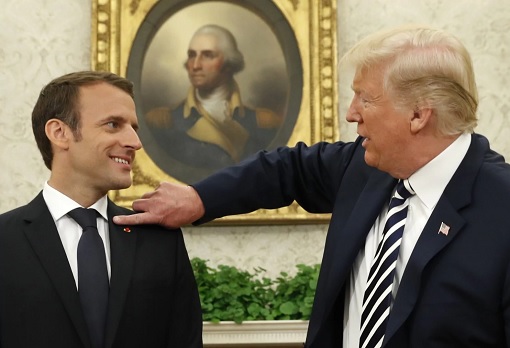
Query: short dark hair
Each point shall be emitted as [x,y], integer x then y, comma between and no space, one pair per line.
[58,100]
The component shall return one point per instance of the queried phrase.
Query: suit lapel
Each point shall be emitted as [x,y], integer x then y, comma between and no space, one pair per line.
[122,251]
[42,235]
[431,240]
[346,245]
[376,193]
[430,243]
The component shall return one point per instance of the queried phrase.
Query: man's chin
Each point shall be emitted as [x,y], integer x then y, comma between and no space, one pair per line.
[370,160]
[198,82]
[121,185]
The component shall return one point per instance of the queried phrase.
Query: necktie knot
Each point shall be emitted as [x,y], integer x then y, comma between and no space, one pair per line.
[404,190]
[84,217]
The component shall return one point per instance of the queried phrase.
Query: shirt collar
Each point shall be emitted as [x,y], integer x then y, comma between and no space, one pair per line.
[430,181]
[59,204]
[234,102]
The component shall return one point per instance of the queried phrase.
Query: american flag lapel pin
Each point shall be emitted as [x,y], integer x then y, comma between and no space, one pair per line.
[444,229]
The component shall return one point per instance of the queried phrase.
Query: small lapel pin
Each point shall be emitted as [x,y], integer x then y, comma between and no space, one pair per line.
[444,229]
[127,229]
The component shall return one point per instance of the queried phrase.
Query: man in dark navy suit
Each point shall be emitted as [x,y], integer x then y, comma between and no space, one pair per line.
[415,103]
[85,125]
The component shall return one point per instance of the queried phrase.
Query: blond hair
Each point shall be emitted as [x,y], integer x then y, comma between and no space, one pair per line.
[423,67]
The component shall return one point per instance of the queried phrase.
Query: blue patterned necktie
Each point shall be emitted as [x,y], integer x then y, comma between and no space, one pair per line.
[93,284]
[378,294]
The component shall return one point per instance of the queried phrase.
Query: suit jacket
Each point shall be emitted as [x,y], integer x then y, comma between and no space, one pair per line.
[153,295]
[455,291]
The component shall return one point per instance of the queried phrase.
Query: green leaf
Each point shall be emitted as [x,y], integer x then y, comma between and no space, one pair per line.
[228,293]
[289,308]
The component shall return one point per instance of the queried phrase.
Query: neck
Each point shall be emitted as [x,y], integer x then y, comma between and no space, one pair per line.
[423,153]
[221,92]
[80,193]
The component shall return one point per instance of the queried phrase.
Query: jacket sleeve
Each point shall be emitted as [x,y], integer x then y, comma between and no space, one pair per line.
[310,175]
[186,318]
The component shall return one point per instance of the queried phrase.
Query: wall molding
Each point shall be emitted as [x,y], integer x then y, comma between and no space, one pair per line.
[255,332]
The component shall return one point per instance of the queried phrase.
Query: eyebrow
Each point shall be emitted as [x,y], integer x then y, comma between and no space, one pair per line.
[121,119]
[202,51]
[357,89]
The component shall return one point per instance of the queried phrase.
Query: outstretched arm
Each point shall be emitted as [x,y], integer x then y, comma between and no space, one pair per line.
[170,205]
[309,175]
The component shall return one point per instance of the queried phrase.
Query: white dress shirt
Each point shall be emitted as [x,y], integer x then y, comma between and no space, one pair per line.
[69,230]
[429,183]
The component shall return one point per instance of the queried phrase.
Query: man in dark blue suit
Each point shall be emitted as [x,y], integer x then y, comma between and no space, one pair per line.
[415,102]
[85,125]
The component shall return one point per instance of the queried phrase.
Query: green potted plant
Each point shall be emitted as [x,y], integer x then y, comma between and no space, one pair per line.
[230,296]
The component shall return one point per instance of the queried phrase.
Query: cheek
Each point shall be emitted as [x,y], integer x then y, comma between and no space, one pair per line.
[216,65]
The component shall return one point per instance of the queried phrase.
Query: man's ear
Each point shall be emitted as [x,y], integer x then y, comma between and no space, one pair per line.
[58,133]
[421,118]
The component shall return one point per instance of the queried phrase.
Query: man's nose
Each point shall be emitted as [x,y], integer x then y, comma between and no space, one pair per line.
[132,139]
[197,62]
[352,114]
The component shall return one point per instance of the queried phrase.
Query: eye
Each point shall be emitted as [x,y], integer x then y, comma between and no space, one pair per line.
[209,54]
[113,124]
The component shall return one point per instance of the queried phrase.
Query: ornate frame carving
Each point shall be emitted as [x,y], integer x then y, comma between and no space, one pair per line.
[116,24]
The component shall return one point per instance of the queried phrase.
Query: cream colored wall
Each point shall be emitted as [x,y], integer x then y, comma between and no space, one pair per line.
[42,39]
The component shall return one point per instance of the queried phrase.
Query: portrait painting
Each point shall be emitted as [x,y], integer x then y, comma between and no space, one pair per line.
[217,83]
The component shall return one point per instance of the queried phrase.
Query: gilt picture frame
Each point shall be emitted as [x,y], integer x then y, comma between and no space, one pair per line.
[289,49]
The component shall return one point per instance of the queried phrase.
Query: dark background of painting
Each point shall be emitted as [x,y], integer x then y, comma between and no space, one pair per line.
[272,77]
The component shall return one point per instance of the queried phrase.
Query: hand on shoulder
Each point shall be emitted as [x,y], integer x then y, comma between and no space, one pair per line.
[170,205]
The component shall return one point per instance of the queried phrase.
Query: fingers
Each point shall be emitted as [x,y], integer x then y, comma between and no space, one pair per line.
[149,194]
[169,205]
[135,219]
[142,204]
[142,217]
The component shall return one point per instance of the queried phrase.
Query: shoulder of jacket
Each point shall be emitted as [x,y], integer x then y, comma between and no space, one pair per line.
[267,118]
[160,117]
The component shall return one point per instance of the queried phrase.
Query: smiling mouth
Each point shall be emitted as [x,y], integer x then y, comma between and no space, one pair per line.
[120,160]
